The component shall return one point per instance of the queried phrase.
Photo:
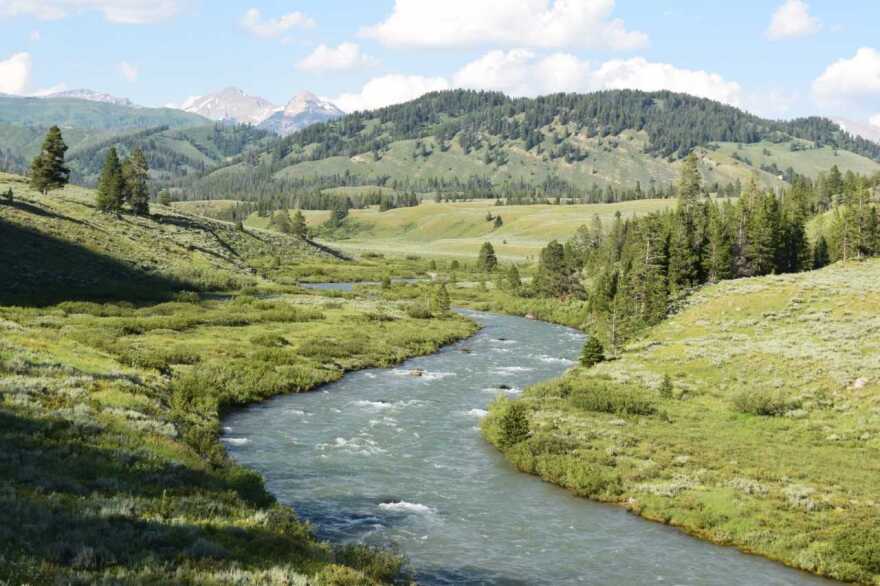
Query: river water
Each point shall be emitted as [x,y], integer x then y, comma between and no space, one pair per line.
[391,459]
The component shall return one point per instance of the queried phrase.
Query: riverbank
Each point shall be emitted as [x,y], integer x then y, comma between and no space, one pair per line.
[111,463]
[765,437]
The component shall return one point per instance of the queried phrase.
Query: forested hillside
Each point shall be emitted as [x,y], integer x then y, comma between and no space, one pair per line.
[606,146]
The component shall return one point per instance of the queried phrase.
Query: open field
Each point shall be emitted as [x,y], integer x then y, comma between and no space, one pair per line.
[458,229]
[767,438]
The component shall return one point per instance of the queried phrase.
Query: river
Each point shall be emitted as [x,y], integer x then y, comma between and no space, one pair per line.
[391,459]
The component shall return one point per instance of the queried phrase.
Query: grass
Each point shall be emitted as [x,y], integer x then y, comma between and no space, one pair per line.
[458,229]
[113,382]
[769,439]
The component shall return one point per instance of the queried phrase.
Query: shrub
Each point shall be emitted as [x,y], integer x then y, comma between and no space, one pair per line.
[859,547]
[270,340]
[514,425]
[187,297]
[762,402]
[593,353]
[666,387]
[608,397]
[418,311]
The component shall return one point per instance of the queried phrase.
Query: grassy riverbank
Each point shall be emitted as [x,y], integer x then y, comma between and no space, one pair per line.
[767,438]
[111,466]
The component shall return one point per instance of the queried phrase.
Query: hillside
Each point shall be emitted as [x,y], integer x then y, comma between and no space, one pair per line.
[61,247]
[565,144]
[767,436]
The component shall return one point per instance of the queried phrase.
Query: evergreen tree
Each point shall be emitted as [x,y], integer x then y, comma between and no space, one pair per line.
[821,256]
[498,222]
[298,226]
[487,261]
[47,170]
[135,173]
[513,279]
[442,303]
[593,352]
[111,185]
[514,425]
[281,221]
[719,259]
[666,387]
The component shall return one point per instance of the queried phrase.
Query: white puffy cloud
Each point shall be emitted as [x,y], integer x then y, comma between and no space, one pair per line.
[129,72]
[519,72]
[344,57]
[118,11]
[389,89]
[640,74]
[791,20]
[269,28]
[849,82]
[875,120]
[523,23]
[15,73]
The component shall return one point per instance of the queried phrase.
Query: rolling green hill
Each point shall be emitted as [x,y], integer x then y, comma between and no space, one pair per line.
[484,144]
[61,247]
[89,115]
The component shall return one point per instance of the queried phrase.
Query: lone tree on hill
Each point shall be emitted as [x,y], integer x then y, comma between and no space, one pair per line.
[514,425]
[135,173]
[111,185]
[487,261]
[47,169]
[593,353]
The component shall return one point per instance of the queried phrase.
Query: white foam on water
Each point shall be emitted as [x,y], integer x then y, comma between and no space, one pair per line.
[496,390]
[379,405]
[511,370]
[370,374]
[227,429]
[407,507]
[295,411]
[236,441]
[478,413]
[501,350]
[505,341]
[362,446]
[554,360]
[418,374]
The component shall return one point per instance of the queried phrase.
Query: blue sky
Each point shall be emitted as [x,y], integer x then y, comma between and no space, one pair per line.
[779,58]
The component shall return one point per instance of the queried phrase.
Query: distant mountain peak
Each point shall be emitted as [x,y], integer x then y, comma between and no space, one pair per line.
[231,103]
[91,96]
[307,102]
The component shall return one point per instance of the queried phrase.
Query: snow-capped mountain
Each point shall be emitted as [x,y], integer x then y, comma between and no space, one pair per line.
[303,110]
[92,96]
[231,104]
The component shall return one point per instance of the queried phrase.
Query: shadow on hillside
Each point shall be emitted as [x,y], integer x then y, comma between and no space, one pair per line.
[68,503]
[40,270]
[30,208]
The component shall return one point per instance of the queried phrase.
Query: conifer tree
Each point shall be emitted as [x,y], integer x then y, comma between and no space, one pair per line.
[487,261]
[821,256]
[514,425]
[593,352]
[135,172]
[298,226]
[513,279]
[47,169]
[111,186]
[442,303]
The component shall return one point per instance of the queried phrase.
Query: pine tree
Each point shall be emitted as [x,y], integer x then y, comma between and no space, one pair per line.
[111,186]
[135,172]
[593,352]
[666,387]
[298,226]
[442,303]
[719,257]
[513,279]
[47,170]
[514,425]
[281,222]
[821,257]
[689,183]
[498,222]
[487,261]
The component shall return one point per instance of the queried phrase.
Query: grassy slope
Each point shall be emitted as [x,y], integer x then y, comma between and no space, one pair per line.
[64,248]
[110,467]
[801,487]
[458,229]
[618,161]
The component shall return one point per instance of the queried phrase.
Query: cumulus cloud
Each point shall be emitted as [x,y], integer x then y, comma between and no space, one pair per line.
[519,72]
[129,72]
[15,73]
[850,82]
[524,23]
[118,11]
[640,74]
[268,28]
[792,20]
[389,89]
[345,57]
